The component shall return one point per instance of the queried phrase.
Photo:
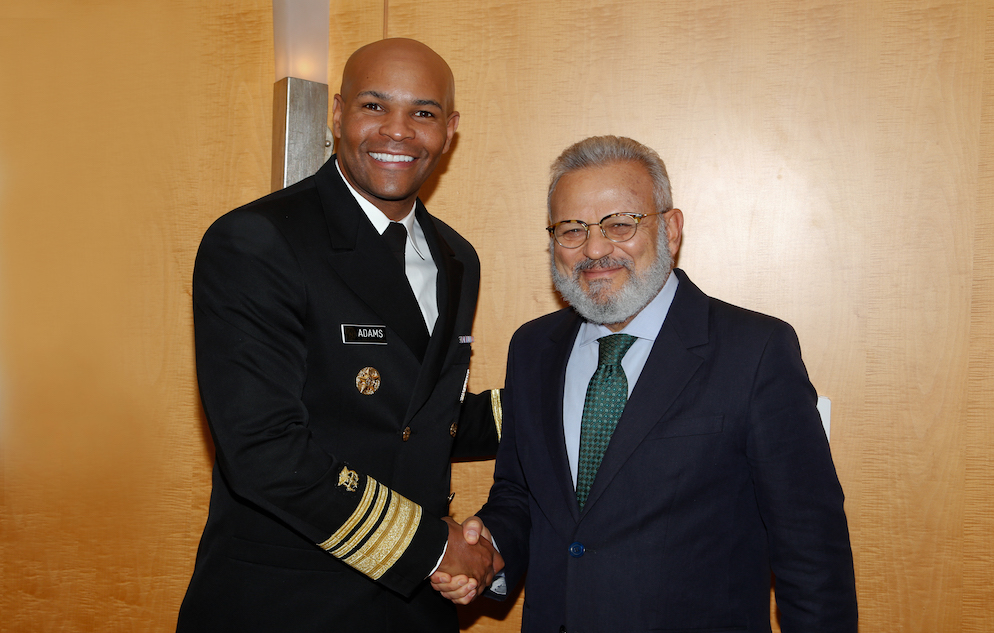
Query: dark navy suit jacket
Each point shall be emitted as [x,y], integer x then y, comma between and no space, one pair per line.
[718,473]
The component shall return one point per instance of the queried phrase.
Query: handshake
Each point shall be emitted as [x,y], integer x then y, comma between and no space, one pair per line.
[469,563]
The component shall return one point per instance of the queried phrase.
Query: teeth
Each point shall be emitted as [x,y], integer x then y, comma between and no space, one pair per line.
[391,158]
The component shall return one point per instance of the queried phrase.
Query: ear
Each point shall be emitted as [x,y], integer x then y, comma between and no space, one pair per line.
[674,229]
[336,117]
[450,130]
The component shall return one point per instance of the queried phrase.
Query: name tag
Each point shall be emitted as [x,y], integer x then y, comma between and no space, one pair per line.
[364,334]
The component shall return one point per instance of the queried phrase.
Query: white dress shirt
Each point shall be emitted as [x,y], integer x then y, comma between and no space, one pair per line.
[419,265]
[585,355]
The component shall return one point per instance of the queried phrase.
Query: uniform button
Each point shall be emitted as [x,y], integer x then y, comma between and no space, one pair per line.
[406,435]
[576,550]
[453,429]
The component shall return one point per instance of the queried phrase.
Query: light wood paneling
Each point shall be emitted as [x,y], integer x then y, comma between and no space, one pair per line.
[833,159]
[978,485]
[126,129]
[828,157]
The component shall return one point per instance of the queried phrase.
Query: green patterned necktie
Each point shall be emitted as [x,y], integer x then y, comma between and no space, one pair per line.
[606,397]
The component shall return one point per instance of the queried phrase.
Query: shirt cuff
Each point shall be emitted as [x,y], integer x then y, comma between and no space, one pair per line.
[439,562]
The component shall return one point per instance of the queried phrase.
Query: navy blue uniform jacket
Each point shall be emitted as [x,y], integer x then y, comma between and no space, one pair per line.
[326,502]
[718,472]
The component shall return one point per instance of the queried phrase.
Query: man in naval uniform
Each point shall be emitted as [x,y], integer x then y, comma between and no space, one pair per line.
[333,325]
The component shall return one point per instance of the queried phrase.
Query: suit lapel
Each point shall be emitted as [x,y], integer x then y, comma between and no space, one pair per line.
[364,262]
[670,366]
[554,362]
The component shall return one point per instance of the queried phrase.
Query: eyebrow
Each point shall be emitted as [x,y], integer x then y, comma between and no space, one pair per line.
[384,97]
[427,102]
[374,94]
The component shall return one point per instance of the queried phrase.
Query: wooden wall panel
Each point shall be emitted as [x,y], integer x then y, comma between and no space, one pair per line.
[978,486]
[125,130]
[828,158]
[833,159]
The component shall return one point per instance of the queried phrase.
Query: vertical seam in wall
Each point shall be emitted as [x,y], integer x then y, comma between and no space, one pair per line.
[386,15]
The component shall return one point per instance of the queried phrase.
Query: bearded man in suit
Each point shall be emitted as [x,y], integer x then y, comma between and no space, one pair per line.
[333,340]
[663,453]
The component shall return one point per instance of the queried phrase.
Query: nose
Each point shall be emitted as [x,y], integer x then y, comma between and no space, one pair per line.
[397,127]
[597,245]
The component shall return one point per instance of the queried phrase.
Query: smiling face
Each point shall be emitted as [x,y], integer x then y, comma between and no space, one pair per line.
[610,282]
[393,120]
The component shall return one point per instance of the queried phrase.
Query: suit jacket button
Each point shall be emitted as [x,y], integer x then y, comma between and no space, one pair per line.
[576,550]
[406,435]
[453,429]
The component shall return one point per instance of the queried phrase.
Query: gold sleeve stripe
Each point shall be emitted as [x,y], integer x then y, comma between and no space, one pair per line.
[390,540]
[365,503]
[386,531]
[346,546]
[498,411]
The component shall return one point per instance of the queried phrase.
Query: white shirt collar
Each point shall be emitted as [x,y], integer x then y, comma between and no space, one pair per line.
[380,221]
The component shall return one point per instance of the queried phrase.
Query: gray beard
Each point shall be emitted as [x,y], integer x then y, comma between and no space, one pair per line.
[598,306]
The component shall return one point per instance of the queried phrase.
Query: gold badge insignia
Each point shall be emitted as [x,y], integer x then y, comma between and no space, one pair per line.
[349,479]
[367,381]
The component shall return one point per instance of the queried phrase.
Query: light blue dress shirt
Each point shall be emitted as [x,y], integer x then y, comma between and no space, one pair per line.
[583,362]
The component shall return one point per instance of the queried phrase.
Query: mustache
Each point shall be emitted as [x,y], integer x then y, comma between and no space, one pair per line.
[603,262]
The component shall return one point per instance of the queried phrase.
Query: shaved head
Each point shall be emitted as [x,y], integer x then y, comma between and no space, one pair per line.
[398,51]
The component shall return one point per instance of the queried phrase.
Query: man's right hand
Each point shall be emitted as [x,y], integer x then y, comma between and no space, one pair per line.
[460,583]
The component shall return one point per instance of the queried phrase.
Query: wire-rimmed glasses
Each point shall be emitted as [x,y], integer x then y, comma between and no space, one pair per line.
[617,227]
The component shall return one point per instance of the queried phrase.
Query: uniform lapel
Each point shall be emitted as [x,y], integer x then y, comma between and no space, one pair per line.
[364,262]
[670,366]
[448,285]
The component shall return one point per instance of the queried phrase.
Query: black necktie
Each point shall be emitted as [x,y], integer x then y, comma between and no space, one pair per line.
[417,339]
[396,237]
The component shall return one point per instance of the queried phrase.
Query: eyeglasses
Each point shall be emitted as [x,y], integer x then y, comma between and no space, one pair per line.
[617,227]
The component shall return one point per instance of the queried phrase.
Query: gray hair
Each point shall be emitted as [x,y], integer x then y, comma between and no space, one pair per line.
[598,151]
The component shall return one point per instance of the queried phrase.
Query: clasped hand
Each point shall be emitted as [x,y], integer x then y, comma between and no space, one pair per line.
[469,563]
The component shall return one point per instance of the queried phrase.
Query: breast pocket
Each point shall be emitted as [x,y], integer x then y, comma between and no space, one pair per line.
[455,374]
[462,355]
[685,427]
